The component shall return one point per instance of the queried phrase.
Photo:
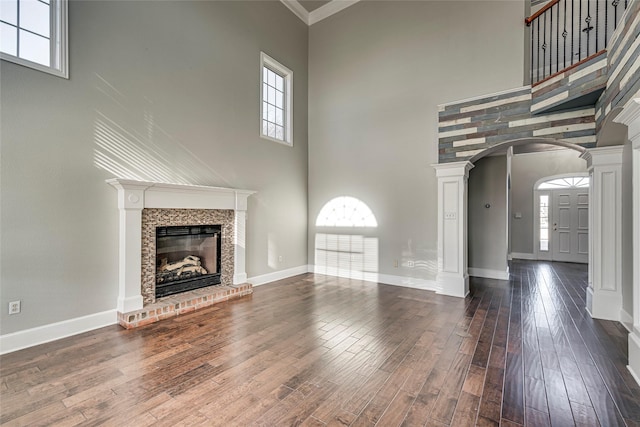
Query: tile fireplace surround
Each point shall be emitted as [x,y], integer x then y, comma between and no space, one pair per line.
[145,205]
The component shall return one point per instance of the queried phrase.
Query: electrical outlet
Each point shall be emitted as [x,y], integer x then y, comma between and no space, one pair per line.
[280,258]
[411,264]
[14,307]
[395,263]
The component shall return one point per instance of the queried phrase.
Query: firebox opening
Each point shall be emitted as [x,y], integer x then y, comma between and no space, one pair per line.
[187,258]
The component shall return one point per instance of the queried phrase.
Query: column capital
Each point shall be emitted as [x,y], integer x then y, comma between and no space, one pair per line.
[453,169]
[630,116]
[603,156]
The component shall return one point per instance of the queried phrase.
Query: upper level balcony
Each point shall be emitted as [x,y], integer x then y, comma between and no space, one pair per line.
[585,60]
[567,33]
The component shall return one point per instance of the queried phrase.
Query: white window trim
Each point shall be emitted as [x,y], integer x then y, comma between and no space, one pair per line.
[266,60]
[59,43]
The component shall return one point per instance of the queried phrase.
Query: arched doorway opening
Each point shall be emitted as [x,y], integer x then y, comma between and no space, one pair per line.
[453,214]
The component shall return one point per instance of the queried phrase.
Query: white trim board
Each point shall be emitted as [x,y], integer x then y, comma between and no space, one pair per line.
[523,255]
[55,331]
[489,274]
[385,279]
[626,319]
[317,15]
[263,279]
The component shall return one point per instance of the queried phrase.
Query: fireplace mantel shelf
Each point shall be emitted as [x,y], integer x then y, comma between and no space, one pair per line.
[147,194]
[134,196]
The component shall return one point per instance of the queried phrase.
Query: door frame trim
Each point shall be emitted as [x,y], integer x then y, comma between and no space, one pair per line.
[542,255]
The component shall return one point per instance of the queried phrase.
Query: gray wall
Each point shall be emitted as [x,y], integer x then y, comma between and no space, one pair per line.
[488,226]
[378,70]
[163,91]
[526,169]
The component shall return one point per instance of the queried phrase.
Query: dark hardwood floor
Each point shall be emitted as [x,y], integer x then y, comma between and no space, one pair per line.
[316,350]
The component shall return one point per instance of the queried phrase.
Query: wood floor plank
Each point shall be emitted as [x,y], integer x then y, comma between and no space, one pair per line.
[316,350]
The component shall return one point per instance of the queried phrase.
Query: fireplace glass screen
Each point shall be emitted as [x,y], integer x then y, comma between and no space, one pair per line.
[187,258]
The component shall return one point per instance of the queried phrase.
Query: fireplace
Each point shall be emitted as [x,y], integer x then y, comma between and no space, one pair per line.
[145,207]
[187,258]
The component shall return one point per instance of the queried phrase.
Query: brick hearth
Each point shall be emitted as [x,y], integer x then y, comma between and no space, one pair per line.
[175,305]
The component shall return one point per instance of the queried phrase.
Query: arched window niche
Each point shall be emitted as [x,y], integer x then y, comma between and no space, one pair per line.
[345,244]
[346,211]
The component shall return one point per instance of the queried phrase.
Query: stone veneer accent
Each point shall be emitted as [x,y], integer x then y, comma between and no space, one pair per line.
[623,58]
[152,218]
[468,127]
[174,305]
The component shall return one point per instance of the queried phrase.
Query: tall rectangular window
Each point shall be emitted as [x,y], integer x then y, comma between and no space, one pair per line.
[33,33]
[544,222]
[276,107]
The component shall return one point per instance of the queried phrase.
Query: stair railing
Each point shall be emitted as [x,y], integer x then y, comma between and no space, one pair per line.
[567,32]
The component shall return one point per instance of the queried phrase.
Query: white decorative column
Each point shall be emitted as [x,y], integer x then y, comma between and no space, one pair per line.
[240,226]
[130,204]
[630,116]
[604,294]
[453,278]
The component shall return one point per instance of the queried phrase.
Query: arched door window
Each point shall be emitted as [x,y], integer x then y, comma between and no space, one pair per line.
[567,182]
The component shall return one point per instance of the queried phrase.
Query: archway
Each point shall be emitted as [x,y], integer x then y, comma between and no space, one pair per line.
[453,277]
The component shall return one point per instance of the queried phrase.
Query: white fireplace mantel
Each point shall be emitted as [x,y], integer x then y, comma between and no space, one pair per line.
[133,196]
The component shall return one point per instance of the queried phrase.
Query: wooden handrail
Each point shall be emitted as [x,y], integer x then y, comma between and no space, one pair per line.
[544,8]
[570,67]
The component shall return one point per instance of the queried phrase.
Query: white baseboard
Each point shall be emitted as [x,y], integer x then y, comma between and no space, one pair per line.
[626,319]
[408,282]
[489,274]
[263,279]
[387,279]
[522,255]
[55,331]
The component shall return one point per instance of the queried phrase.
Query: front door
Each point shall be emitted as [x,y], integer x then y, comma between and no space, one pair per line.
[570,225]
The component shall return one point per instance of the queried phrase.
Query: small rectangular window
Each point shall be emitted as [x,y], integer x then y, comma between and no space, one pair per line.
[276,105]
[33,33]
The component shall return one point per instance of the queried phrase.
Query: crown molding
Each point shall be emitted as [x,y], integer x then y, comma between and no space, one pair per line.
[297,9]
[329,9]
[320,13]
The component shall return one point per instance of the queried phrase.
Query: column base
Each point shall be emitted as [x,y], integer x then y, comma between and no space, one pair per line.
[128,304]
[634,355]
[589,300]
[454,285]
[604,305]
